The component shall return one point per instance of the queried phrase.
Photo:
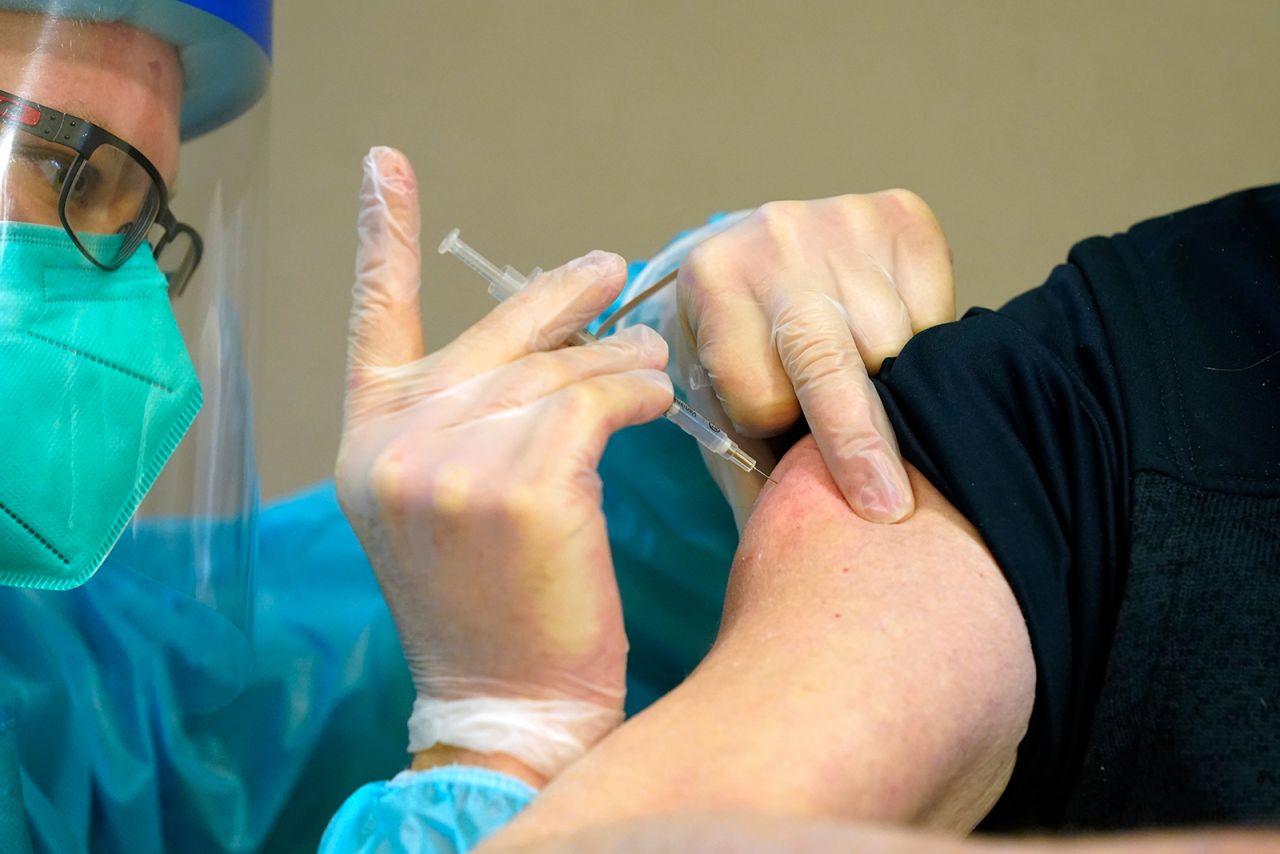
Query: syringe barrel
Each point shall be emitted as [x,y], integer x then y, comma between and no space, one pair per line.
[506,283]
[708,435]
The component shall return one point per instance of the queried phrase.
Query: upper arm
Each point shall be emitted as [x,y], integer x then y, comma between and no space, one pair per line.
[910,702]
[861,671]
[896,651]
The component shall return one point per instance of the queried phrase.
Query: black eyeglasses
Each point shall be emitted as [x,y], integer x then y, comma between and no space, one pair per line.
[65,170]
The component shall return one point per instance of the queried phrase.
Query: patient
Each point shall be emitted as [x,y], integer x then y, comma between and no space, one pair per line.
[1076,629]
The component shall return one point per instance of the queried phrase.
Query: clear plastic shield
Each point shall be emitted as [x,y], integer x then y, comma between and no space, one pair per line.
[132,180]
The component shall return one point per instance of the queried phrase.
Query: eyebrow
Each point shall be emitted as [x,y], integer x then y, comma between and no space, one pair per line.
[88,113]
[92,116]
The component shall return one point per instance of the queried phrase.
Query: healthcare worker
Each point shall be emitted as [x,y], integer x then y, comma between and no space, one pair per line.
[199,688]
[148,708]
[135,714]
[510,616]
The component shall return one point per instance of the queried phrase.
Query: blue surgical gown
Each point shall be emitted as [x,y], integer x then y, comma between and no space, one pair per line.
[134,719]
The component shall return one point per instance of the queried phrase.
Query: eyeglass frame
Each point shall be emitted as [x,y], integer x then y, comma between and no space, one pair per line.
[85,138]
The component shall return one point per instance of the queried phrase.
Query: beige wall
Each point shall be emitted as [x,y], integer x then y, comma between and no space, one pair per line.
[544,128]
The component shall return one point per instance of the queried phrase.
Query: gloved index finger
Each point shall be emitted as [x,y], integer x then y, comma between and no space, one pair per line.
[386,325]
[842,407]
[541,317]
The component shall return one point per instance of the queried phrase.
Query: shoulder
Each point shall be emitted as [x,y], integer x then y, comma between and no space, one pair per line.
[1246,222]
[1190,305]
[801,536]
[1220,253]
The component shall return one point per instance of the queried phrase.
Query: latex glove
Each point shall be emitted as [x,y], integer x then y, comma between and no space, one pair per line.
[469,476]
[790,310]
[738,487]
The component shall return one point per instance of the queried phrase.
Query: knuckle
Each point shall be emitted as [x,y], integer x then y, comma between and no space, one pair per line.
[779,211]
[781,223]
[804,314]
[808,353]
[403,489]
[704,281]
[851,210]
[705,263]
[580,401]
[905,207]
[518,503]
[387,480]
[556,367]
[449,492]
[813,360]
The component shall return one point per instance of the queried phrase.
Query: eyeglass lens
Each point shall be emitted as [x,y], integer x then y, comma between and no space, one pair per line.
[109,193]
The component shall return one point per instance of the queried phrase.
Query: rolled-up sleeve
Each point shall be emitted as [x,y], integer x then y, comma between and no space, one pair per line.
[1016,417]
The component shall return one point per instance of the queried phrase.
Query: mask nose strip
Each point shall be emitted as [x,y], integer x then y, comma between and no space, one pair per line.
[35,535]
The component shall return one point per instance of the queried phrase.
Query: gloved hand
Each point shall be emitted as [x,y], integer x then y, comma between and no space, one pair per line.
[792,308]
[469,475]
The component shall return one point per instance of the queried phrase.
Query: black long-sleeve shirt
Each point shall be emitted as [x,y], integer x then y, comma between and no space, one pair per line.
[1115,437]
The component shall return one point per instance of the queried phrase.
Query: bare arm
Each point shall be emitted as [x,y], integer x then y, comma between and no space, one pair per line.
[745,833]
[862,672]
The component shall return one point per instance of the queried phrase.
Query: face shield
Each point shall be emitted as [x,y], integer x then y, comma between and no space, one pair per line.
[132,147]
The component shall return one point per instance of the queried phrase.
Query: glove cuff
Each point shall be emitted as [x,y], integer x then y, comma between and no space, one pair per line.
[546,735]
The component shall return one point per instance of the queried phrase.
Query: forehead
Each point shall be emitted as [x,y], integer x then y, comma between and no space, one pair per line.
[113,75]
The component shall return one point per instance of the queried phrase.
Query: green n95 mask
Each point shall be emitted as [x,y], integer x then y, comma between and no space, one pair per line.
[97,390]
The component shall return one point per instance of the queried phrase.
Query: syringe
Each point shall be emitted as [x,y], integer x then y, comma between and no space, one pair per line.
[508,281]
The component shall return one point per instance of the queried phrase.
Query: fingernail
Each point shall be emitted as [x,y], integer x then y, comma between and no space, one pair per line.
[388,168]
[597,262]
[642,342]
[646,339]
[660,378]
[879,504]
[882,497]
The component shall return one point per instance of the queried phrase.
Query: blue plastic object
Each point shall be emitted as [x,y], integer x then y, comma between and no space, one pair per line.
[448,809]
[251,17]
[224,47]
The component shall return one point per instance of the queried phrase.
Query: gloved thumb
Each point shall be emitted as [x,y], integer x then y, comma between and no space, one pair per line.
[386,326]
